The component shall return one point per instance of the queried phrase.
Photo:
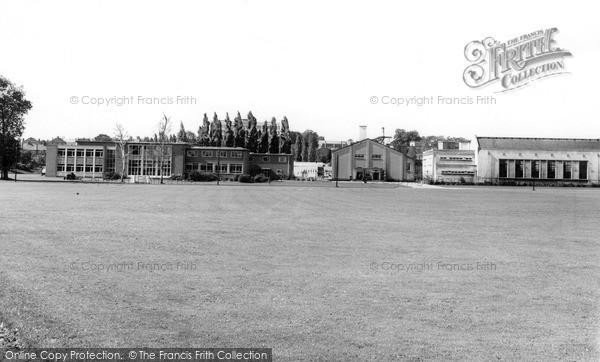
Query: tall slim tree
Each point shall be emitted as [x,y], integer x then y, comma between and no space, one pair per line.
[298,147]
[162,148]
[229,139]
[252,141]
[216,132]
[122,138]
[284,136]
[273,137]
[239,132]
[264,139]
[313,144]
[203,132]
[13,108]
[182,134]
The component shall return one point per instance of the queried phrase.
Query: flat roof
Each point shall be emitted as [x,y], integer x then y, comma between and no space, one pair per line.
[541,144]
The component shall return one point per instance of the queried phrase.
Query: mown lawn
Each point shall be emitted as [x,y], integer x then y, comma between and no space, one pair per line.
[300,269]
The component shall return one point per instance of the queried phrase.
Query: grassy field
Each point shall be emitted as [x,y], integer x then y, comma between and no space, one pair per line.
[305,270]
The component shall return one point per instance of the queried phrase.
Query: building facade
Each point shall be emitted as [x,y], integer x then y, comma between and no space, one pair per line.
[94,159]
[276,166]
[371,160]
[543,160]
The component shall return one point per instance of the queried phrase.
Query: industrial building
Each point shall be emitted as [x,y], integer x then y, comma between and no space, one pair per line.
[543,160]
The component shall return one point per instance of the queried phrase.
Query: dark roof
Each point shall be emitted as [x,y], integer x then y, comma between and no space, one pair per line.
[539,144]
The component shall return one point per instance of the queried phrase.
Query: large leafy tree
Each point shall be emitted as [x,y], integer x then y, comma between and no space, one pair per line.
[13,108]
[403,138]
[103,137]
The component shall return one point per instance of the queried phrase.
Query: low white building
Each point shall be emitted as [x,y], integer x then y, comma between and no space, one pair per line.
[309,170]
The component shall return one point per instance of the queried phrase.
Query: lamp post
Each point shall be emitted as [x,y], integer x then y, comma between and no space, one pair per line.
[218,166]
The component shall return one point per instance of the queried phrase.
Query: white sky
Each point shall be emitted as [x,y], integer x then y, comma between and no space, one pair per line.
[316,62]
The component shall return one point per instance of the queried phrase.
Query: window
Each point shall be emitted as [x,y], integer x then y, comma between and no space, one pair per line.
[89,153]
[236,154]
[583,170]
[70,168]
[359,156]
[134,149]
[79,168]
[191,166]
[89,169]
[134,167]
[110,160]
[222,153]
[99,153]
[519,168]
[223,168]
[408,167]
[80,153]
[503,169]
[70,153]
[192,153]
[61,153]
[535,169]
[266,159]
[206,167]
[376,156]
[236,168]
[567,169]
[282,158]
[60,168]
[206,153]
[551,169]
[98,169]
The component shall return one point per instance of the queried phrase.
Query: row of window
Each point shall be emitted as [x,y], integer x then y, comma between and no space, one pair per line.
[448,158]
[71,168]
[210,153]
[69,152]
[268,158]
[374,156]
[212,168]
[148,168]
[544,169]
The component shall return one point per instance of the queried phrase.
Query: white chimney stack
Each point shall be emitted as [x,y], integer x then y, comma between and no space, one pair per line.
[362,133]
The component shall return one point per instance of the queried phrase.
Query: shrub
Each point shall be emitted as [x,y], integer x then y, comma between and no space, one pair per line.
[112,176]
[71,176]
[261,178]
[200,176]
[246,179]
[176,177]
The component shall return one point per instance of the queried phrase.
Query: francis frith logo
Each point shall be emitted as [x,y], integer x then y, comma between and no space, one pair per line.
[516,62]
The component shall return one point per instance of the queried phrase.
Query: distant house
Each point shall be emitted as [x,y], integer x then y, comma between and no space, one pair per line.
[33,145]
[371,160]
[273,165]
[545,160]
